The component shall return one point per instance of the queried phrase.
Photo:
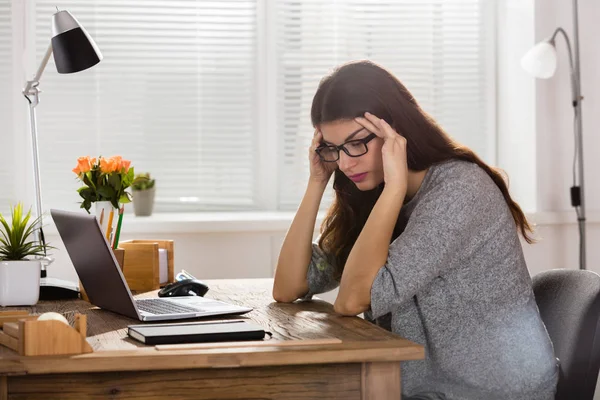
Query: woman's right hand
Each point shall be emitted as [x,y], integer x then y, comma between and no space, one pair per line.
[320,171]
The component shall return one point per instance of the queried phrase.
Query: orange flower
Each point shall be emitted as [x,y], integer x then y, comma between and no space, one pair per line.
[84,165]
[112,164]
[106,165]
[116,163]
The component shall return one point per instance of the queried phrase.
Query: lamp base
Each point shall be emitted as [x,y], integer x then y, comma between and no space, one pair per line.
[58,289]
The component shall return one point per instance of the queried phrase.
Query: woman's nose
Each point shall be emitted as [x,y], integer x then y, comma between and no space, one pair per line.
[346,162]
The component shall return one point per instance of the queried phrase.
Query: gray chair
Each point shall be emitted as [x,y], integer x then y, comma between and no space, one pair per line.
[569,303]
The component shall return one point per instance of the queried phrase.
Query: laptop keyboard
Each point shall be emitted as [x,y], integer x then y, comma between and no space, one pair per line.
[160,306]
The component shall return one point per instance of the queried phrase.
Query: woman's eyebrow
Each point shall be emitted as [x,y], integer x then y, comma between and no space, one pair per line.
[350,136]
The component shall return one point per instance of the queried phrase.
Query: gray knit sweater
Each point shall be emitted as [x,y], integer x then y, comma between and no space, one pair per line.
[456,282]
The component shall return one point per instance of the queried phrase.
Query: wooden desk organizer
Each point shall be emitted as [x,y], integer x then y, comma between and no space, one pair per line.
[139,261]
[29,337]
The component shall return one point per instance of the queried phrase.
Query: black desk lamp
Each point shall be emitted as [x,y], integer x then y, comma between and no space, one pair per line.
[74,50]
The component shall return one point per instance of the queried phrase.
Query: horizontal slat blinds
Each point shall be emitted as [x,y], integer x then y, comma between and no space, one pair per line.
[437,48]
[6,111]
[174,93]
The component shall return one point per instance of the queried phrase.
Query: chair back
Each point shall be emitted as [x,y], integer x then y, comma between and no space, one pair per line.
[569,304]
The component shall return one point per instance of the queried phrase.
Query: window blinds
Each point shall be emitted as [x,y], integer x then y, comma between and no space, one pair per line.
[438,48]
[179,89]
[174,94]
[6,109]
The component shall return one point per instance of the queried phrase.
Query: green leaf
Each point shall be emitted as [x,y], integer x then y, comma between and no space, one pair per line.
[107,192]
[114,180]
[125,198]
[86,193]
[87,205]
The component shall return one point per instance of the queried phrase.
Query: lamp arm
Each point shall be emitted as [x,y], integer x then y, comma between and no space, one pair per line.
[575,88]
[38,75]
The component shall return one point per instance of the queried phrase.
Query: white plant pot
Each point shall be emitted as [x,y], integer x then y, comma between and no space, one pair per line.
[143,201]
[19,283]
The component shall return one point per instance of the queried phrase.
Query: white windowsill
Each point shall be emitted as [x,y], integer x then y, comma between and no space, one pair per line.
[210,222]
[264,221]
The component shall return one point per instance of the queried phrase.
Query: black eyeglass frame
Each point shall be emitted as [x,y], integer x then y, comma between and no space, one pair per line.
[364,141]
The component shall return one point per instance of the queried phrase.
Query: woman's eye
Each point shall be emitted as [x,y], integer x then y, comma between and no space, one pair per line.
[355,144]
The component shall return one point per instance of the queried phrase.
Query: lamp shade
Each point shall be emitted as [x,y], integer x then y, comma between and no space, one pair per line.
[74,50]
[540,61]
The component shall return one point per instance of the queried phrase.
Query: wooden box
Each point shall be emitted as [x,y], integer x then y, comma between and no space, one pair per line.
[141,263]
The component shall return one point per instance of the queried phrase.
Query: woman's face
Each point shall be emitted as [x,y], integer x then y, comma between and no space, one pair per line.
[366,171]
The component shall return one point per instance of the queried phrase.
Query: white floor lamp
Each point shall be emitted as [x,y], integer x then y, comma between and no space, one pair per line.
[540,62]
[74,50]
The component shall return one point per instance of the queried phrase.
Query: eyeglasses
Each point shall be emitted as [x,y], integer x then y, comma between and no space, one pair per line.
[353,148]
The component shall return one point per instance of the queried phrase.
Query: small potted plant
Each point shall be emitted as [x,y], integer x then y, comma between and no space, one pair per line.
[142,190]
[19,270]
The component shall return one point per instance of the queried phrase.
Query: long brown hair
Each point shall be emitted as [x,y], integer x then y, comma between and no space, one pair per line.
[350,91]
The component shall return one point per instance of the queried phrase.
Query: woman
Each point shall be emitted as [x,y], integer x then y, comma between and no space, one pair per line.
[422,237]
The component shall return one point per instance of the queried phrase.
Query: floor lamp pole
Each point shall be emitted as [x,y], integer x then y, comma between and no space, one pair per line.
[579,140]
[577,190]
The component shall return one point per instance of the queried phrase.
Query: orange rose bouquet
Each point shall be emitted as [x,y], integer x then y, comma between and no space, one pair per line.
[104,179]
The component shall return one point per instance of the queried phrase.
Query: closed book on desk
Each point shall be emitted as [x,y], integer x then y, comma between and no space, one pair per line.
[193,332]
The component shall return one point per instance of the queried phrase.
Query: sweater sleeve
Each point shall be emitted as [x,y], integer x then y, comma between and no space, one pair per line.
[320,275]
[434,240]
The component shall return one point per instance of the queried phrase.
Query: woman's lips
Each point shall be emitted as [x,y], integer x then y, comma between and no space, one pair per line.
[358,177]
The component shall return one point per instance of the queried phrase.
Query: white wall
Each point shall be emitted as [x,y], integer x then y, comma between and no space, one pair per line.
[554,113]
[515,111]
[554,138]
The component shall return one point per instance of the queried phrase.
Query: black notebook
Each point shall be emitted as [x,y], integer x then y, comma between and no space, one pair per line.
[193,332]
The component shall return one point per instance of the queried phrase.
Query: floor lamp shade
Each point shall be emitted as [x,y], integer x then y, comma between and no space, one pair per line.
[74,50]
[540,61]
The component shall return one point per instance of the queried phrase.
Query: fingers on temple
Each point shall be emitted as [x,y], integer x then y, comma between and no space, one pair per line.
[370,124]
[388,130]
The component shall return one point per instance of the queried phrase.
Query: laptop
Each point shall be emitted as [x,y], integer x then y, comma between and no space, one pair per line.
[105,284]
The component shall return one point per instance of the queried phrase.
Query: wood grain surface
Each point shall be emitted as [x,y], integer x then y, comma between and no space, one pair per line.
[303,382]
[360,360]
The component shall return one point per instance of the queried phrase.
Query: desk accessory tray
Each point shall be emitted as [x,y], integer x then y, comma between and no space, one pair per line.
[26,335]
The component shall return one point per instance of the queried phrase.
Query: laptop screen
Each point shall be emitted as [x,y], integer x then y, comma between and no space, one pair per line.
[94,262]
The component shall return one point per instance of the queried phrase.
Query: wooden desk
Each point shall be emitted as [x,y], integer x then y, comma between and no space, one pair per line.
[365,365]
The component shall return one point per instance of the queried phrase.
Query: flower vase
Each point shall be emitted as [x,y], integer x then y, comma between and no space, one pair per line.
[103,212]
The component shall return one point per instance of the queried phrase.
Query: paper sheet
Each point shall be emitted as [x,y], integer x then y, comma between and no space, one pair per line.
[163,265]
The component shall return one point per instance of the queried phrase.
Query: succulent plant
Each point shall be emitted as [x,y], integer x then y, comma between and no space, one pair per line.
[142,181]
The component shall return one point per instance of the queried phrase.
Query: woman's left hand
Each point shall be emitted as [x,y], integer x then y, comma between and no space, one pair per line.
[395,167]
